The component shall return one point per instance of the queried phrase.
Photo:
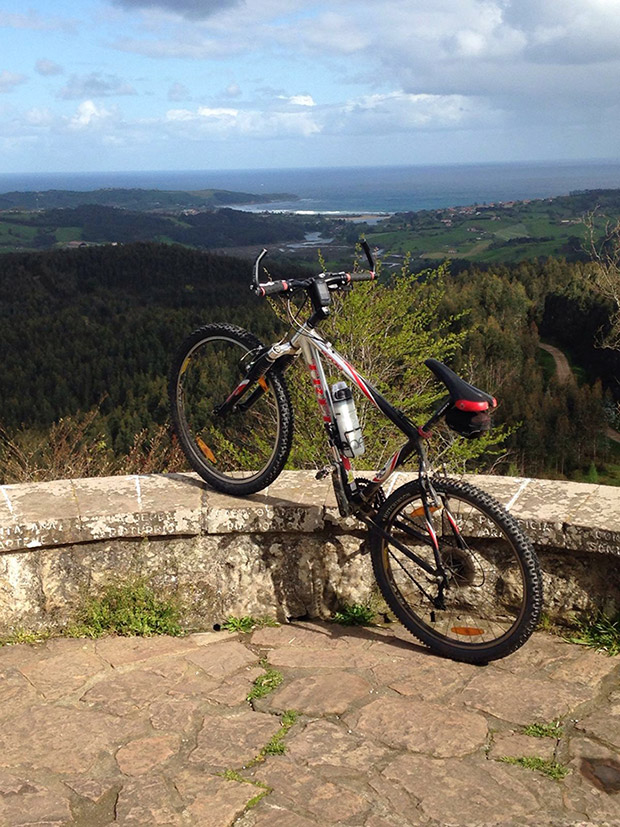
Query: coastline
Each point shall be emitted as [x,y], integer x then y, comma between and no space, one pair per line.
[355,191]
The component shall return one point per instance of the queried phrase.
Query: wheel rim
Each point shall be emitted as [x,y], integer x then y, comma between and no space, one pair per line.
[238,446]
[485,596]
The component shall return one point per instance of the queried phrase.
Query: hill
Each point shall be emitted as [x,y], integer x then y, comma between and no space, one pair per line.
[136,199]
[499,232]
[96,224]
[79,326]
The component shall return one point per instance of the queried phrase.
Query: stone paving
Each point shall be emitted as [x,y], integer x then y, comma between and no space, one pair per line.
[158,731]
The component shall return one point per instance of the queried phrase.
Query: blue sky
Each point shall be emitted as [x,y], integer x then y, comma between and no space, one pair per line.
[224,84]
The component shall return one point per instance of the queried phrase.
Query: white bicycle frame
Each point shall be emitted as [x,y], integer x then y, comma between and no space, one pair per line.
[312,347]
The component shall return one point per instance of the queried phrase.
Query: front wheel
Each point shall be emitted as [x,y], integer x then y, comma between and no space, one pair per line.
[487,599]
[241,451]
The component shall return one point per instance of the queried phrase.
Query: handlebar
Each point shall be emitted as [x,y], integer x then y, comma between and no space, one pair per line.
[334,281]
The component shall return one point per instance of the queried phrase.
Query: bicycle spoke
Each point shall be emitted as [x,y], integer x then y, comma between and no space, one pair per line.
[479,598]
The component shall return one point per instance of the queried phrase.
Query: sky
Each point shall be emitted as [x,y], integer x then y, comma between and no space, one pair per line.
[107,85]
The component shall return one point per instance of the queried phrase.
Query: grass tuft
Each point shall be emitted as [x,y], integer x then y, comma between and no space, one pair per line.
[354,614]
[276,745]
[22,635]
[530,762]
[264,789]
[132,608]
[247,623]
[264,684]
[552,730]
[598,631]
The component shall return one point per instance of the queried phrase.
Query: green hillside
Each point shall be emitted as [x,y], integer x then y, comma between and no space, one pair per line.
[135,199]
[505,232]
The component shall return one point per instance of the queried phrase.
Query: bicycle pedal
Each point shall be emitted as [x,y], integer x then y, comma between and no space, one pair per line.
[324,472]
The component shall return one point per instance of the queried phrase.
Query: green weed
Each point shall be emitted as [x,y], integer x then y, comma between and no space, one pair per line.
[552,730]
[264,789]
[233,775]
[598,631]
[354,614]
[247,623]
[21,635]
[132,608]
[276,745]
[264,684]
[549,768]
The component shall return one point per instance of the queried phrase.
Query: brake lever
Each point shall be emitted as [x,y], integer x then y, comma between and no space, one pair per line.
[366,248]
[256,281]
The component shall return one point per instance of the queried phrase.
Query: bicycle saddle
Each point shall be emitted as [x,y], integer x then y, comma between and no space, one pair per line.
[464,396]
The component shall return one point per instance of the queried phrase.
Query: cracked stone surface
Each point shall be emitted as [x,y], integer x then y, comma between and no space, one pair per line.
[159,733]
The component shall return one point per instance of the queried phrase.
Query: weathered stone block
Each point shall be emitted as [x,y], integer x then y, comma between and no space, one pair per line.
[284,552]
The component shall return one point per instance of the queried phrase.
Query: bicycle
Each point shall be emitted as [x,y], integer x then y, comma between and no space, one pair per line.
[451,563]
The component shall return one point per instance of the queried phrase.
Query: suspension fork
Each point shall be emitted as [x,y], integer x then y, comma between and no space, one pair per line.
[282,354]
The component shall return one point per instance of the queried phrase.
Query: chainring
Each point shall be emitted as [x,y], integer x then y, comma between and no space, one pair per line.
[378,499]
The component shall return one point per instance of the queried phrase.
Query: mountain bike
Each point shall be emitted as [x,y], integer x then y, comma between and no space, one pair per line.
[452,565]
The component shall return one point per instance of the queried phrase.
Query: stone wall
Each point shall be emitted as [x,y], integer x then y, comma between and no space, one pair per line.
[284,552]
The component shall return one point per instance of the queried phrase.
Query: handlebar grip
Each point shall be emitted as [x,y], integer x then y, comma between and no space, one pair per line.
[366,275]
[270,287]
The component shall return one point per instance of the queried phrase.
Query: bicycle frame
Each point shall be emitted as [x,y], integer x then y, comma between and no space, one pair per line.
[312,347]
[349,498]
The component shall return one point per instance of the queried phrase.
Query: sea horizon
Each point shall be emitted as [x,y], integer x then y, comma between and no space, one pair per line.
[384,189]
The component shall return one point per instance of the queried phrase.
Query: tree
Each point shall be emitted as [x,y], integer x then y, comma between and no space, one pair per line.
[386,331]
[604,251]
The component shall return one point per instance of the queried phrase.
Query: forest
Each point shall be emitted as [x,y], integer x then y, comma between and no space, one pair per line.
[87,337]
[134,199]
[95,224]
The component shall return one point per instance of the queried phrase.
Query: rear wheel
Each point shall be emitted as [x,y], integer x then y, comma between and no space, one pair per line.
[242,451]
[490,600]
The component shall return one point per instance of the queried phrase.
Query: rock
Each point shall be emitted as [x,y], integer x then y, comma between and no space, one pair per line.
[305,792]
[60,739]
[141,756]
[523,700]
[223,659]
[149,801]
[418,726]
[325,744]
[230,742]
[473,793]
[329,694]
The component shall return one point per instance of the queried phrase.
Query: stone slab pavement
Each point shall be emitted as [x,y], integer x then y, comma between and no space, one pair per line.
[159,731]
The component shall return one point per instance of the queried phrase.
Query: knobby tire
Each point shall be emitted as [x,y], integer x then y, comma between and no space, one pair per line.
[494,597]
[238,453]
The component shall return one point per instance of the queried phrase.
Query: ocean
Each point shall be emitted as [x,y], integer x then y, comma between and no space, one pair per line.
[356,190]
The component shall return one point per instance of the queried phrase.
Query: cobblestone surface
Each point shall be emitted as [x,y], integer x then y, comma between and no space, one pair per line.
[158,733]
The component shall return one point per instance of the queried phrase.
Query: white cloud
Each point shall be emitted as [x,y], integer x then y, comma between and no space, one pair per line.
[89,114]
[227,122]
[407,68]
[34,21]
[190,46]
[9,80]
[302,100]
[40,117]
[400,112]
[192,9]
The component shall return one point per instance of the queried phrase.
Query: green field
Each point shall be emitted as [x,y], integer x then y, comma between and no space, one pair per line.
[497,232]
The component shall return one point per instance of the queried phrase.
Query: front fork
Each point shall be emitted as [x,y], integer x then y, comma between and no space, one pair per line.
[282,352]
